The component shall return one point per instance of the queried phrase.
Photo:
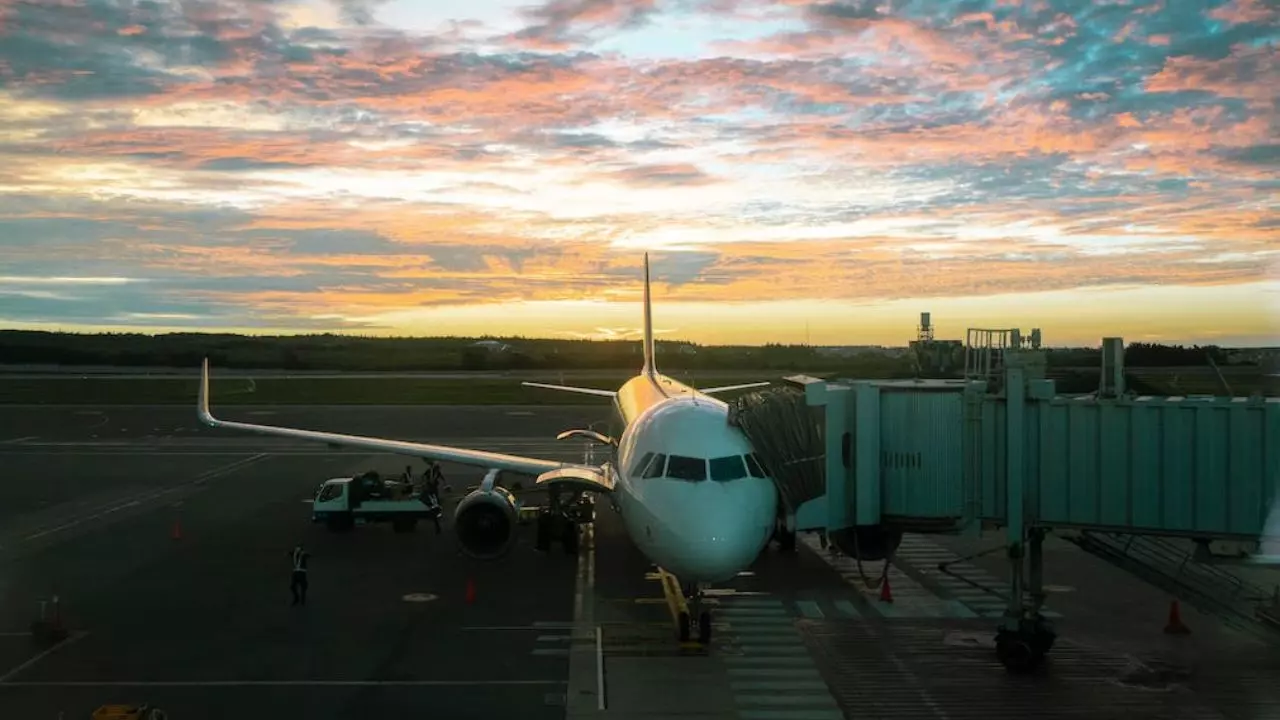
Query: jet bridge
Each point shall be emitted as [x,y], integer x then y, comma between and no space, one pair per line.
[1144,482]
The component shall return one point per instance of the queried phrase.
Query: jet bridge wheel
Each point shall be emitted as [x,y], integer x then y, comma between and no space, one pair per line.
[1023,650]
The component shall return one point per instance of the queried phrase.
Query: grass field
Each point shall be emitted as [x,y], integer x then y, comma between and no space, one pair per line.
[315,391]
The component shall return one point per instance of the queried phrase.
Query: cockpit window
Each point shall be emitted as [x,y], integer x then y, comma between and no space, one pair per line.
[728,468]
[641,464]
[753,465]
[687,468]
[656,467]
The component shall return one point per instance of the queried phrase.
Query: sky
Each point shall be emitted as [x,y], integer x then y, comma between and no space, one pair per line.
[798,170]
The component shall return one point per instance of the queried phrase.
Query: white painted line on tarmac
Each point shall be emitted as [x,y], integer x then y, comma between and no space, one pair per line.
[139,499]
[584,625]
[77,637]
[599,668]
[14,441]
[271,683]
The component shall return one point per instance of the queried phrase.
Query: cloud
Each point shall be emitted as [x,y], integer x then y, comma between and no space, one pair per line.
[267,163]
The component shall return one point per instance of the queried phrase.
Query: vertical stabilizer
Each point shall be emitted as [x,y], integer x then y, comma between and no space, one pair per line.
[650,367]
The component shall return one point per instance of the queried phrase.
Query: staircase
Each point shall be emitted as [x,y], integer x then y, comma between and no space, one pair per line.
[1170,565]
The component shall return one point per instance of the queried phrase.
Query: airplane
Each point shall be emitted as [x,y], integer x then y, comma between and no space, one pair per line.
[693,495]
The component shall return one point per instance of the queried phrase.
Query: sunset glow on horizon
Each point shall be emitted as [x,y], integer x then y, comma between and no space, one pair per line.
[798,170]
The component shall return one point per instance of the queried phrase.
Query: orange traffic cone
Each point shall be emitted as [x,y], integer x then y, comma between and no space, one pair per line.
[886,595]
[471,590]
[176,533]
[1175,626]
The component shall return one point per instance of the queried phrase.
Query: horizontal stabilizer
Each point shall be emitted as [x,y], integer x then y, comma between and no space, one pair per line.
[727,388]
[569,388]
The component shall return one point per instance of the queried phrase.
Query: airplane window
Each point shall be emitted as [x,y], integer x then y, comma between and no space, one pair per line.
[656,467]
[753,464]
[687,468]
[728,468]
[641,464]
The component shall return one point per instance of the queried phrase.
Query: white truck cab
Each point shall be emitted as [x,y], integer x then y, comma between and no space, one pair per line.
[340,503]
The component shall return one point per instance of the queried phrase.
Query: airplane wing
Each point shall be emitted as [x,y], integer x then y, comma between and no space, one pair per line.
[479,458]
[727,388]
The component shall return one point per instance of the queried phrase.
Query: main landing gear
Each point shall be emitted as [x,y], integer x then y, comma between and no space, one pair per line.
[560,519]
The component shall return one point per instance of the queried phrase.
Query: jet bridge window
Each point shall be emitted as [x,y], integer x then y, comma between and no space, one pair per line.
[753,464]
[687,468]
[656,467]
[728,468]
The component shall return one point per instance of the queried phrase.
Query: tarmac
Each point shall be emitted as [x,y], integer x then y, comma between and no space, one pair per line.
[167,545]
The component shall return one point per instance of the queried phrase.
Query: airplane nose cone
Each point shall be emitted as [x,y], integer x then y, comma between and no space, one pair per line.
[720,558]
[724,538]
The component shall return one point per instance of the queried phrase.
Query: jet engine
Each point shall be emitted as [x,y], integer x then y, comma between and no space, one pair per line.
[485,521]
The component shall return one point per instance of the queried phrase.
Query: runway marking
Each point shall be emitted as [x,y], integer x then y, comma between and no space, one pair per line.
[139,499]
[270,683]
[15,441]
[77,637]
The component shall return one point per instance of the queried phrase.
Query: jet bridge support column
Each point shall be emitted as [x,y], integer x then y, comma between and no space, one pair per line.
[1024,636]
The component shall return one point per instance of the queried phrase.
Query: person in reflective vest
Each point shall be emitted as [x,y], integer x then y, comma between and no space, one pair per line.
[298,579]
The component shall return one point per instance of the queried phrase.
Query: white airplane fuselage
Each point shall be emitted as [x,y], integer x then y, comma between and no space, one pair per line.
[707,513]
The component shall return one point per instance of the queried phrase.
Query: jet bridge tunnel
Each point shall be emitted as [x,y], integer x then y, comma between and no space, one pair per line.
[1135,480]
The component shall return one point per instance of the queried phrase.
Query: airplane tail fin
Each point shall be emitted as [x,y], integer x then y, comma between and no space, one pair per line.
[650,367]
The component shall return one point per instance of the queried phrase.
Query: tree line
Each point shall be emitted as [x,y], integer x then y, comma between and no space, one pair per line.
[330,352]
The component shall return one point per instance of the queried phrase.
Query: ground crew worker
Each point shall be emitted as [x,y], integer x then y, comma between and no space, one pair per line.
[431,479]
[298,579]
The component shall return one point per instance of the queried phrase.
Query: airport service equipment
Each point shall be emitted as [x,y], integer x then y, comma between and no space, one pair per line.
[340,503]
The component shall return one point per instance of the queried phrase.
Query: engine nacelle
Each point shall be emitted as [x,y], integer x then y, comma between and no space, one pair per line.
[867,542]
[485,522]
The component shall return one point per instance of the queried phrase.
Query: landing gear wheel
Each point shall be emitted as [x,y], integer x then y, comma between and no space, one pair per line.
[786,542]
[543,540]
[683,623]
[704,627]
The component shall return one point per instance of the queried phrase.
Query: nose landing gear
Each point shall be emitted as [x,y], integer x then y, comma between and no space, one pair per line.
[697,617]
[688,609]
